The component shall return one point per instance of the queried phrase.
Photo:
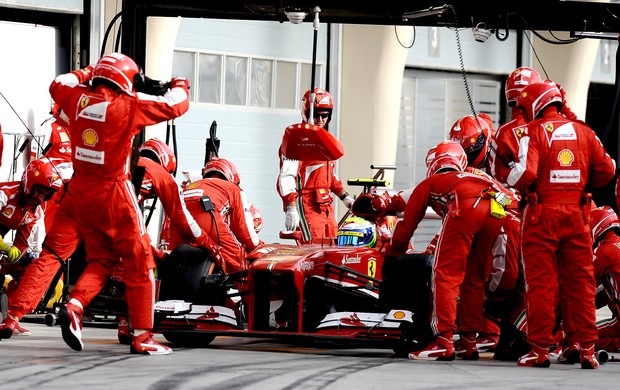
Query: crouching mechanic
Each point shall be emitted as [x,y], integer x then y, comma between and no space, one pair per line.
[472,208]
[216,204]
[605,236]
[20,210]
[52,138]
[159,162]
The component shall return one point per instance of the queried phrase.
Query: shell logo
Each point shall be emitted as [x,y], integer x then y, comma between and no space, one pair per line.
[524,94]
[549,127]
[37,173]
[8,211]
[90,137]
[566,157]
[192,185]
[472,140]
[399,315]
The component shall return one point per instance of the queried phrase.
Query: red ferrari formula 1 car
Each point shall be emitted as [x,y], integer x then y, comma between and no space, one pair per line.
[341,293]
[324,292]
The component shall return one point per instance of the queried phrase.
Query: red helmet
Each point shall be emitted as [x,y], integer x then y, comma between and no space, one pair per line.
[118,69]
[163,154]
[222,167]
[322,101]
[474,135]
[602,219]
[447,154]
[517,80]
[257,217]
[536,97]
[40,172]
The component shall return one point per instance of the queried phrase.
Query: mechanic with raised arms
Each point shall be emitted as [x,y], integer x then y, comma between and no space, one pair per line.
[306,186]
[105,116]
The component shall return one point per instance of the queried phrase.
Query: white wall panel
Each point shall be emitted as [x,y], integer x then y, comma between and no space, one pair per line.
[64,6]
[24,83]
[430,104]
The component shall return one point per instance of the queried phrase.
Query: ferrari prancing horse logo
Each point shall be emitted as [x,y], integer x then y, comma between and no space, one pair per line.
[372,267]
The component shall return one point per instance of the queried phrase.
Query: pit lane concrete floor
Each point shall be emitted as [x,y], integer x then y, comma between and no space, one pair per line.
[43,361]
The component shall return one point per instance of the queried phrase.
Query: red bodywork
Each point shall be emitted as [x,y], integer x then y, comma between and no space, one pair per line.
[293,269]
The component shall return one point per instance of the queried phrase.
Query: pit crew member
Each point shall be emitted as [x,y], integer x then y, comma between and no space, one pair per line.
[558,158]
[306,186]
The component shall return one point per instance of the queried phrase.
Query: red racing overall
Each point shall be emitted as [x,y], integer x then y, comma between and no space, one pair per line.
[560,157]
[103,124]
[463,254]
[309,184]
[226,225]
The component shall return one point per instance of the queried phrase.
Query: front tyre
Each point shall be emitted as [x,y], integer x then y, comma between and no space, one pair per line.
[189,339]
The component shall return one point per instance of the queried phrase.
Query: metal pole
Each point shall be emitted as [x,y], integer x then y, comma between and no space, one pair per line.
[315,24]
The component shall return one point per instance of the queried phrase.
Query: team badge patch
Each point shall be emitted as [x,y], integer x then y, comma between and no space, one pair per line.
[520,132]
[549,127]
[84,101]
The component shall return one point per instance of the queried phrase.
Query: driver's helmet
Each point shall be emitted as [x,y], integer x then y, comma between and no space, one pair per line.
[356,231]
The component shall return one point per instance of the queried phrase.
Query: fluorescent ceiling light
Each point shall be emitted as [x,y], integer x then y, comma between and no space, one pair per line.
[432,11]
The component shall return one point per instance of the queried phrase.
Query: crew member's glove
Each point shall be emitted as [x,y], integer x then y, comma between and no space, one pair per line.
[84,74]
[179,82]
[379,204]
[348,201]
[501,198]
[432,246]
[214,253]
[292,218]
[11,252]
[143,83]
[159,255]
[190,176]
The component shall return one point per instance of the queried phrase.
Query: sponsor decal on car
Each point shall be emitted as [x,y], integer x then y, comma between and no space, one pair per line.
[346,259]
[306,265]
